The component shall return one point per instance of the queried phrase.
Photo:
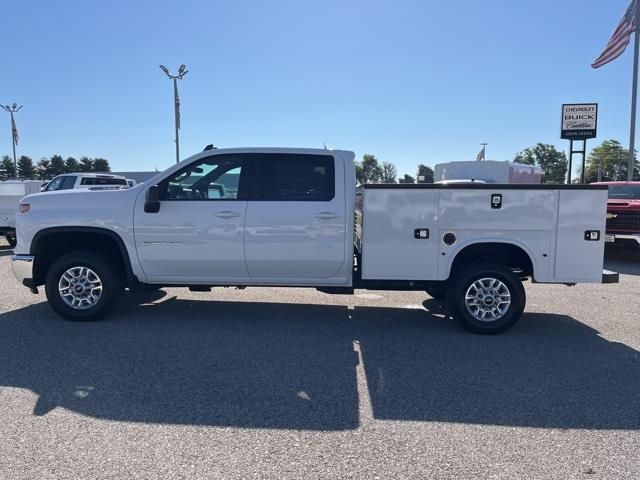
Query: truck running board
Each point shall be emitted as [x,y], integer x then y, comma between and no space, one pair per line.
[336,290]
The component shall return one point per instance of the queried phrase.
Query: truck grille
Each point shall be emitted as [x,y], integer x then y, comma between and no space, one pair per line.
[624,221]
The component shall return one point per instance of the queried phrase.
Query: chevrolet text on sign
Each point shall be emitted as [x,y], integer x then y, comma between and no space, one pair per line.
[579,121]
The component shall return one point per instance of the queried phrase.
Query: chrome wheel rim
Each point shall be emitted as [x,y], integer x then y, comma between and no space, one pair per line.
[487,299]
[80,288]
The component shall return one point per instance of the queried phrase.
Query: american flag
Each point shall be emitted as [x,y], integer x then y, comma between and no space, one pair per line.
[620,38]
[177,110]
[14,131]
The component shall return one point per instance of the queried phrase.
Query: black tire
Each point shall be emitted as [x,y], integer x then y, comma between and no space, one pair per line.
[462,282]
[437,292]
[11,240]
[103,266]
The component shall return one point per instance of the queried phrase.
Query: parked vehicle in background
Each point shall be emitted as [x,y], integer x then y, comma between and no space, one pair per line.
[131,182]
[11,192]
[623,213]
[488,171]
[292,217]
[69,181]
[460,180]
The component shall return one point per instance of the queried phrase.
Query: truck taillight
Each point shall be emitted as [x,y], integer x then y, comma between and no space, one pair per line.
[24,207]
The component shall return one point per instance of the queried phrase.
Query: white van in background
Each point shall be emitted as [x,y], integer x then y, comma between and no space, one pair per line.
[488,171]
[11,192]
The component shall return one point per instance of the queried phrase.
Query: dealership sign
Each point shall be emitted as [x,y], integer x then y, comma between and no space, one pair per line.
[579,121]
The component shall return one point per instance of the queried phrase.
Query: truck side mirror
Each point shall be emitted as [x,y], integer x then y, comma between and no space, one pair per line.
[152,203]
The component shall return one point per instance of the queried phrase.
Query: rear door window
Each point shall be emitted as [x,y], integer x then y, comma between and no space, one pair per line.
[293,177]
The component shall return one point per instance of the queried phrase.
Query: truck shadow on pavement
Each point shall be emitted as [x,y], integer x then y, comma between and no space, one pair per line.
[622,260]
[294,366]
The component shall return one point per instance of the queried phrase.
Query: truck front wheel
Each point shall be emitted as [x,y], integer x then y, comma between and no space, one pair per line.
[485,298]
[83,285]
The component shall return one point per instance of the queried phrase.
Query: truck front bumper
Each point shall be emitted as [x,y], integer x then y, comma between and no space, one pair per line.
[623,239]
[22,266]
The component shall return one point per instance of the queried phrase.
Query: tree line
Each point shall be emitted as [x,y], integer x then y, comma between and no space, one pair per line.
[605,162]
[370,170]
[47,168]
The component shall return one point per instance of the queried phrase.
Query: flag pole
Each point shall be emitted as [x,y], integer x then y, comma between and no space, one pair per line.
[13,143]
[634,97]
[177,116]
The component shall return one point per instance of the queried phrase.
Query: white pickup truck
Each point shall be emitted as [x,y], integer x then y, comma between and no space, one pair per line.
[293,217]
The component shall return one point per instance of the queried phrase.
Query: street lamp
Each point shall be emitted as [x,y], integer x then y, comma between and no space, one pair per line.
[182,71]
[14,131]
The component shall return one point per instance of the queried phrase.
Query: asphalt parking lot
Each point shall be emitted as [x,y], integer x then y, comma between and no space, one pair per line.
[292,383]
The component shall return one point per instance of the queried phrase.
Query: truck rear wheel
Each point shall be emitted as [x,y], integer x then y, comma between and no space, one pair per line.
[485,298]
[83,285]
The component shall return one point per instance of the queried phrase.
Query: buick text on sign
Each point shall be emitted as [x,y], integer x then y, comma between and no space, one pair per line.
[579,121]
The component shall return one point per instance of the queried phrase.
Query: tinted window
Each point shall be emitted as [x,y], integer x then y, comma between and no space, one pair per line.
[69,182]
[629,192]
[55,184]
[294,177]
[103,181]
[211,178]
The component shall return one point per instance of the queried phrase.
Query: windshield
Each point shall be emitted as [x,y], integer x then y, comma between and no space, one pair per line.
[628,192]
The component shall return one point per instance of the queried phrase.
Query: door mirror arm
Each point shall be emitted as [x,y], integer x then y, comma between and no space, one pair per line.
[152,203]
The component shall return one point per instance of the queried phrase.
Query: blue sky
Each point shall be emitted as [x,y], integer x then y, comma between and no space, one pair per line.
[412,82]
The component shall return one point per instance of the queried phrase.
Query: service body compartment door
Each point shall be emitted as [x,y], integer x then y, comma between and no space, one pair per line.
[581,213]
[400,235]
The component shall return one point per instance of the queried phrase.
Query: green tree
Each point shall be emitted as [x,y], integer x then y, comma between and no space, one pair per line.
[101,165]
[86,164]
[26,169]
[7,168]
[71,165]
[44,168]
[369,170]
[426,173]
[407,179]
[611,158]
[553,162]
[389,173]
[57,166]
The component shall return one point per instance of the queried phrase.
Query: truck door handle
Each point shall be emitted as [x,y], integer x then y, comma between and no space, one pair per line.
[227,214]
[327,215]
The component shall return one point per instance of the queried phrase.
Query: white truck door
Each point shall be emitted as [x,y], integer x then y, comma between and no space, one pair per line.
[198,233]
[296,217]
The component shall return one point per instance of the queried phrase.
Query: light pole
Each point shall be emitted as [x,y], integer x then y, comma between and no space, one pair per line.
[14,131]
[176,100]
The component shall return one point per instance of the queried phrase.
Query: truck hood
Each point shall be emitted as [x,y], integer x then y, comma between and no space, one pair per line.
[618,205]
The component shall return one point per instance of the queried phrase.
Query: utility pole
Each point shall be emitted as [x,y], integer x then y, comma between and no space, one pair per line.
[14,131]
[176,101]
